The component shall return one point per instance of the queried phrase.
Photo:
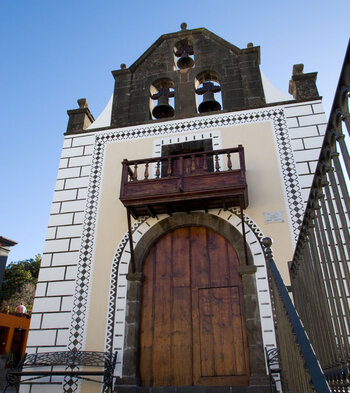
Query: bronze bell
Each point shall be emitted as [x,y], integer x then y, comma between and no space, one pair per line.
[163,109]
[185,61]
[209,104]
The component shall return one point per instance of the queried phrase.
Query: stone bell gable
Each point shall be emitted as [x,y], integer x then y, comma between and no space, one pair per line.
[236,70]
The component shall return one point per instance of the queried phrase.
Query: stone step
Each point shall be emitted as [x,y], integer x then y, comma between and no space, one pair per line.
[193,389]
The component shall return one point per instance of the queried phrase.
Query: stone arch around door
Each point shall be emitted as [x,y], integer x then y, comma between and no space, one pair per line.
[130,374]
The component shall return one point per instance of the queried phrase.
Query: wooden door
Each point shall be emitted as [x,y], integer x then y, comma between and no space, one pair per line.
[192,319]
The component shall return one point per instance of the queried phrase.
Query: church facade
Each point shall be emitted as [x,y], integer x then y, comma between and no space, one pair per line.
[153,248]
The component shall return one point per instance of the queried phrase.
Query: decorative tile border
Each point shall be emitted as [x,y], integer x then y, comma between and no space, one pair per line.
[82,288]
[111,315]
[289,173]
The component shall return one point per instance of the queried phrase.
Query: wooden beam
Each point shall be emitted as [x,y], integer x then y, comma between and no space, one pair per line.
[150,211]
[169,210]
[133,213]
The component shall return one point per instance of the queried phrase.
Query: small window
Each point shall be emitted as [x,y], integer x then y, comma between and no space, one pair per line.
[190,164]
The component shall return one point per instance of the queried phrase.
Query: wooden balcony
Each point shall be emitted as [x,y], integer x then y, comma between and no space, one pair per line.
[185,182]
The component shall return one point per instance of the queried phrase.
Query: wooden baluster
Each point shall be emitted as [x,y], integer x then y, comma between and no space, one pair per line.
[146,171]
[193,163]
[205,164]
[180,165]
[130,174]
[158,170]
[217,166]
[241,158]
[169,167]
[127,172]
[229,163]
[134,175]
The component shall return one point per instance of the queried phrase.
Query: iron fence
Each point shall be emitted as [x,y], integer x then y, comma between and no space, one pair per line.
[300,371]
[320,270]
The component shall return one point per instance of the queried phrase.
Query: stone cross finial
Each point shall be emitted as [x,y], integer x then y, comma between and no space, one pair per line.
[79,119]
[303,86]
[82,102]
[298,69]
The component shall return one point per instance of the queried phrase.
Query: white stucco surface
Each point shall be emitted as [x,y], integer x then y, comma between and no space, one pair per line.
[272,94]
[104,119]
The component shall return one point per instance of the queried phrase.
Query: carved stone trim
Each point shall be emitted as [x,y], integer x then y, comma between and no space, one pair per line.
[250,269]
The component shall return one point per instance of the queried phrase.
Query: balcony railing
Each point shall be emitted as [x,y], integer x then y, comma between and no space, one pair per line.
[301,371]
[185,182]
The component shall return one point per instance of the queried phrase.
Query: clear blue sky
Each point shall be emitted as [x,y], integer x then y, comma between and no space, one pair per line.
[54,52]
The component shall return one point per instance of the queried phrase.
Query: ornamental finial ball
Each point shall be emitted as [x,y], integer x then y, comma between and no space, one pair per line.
[123,66]
[267,242]
[183,26]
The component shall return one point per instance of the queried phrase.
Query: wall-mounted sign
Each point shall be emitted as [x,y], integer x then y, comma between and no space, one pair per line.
[271,217]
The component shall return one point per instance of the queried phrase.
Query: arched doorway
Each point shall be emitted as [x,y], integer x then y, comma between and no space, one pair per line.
[192,317]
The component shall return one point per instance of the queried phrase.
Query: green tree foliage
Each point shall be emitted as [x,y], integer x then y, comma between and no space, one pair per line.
[25,295]
[17,275]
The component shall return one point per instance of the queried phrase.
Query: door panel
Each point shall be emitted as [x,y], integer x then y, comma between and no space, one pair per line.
[200,263]
[162,318]
[146,331]
[218,312]
[165,333]
[192,321]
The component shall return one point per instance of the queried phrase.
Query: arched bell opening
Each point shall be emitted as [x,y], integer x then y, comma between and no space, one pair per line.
[184,54]
[162,102]
[208,92]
